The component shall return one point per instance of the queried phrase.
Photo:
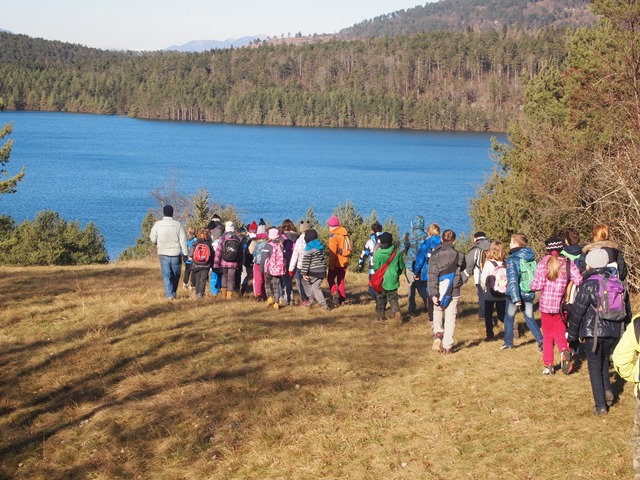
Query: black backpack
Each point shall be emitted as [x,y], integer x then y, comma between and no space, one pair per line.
[231,249]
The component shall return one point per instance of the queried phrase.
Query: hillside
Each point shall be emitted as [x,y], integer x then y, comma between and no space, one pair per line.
[103,378]
[455,15]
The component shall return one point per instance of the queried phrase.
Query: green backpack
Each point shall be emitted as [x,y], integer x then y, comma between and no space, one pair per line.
[527,271]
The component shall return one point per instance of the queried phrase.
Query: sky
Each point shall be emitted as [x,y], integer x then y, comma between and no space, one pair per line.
[157,24]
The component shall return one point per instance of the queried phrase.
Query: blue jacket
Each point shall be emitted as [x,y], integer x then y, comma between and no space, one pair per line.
[420,266]
[513,274]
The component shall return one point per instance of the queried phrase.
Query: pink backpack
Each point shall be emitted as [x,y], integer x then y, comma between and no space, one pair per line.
[275,265]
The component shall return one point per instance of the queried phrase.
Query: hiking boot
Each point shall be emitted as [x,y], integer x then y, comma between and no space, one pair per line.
[223,293]
[600,411]
[335,299]
[269,301]
[549,370]
[608,395]
[566,364]
[437,342]
[276,306]
[231,295]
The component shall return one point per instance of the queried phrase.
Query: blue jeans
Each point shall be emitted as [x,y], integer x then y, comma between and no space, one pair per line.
[170,268]
[528,318]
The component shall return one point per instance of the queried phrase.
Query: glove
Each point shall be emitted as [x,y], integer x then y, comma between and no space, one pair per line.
[291,274]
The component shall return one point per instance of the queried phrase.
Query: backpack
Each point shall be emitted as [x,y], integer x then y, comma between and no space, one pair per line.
[231,249]
[611,298]
[257,253]
[275,265]
[345,248]
[527,272]
[497,283]
[201,254]
[445,285]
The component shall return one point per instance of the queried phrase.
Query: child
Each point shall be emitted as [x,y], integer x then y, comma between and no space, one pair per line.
[493,279]
[229,258]
[551,280]
[191,241]
[290,236]
[202,261]
[273,267]
[368,251]
[521,261]
[313,269]
[421,265]
[340,250]
[391,279]
[295,264]
[600,335]
[255,249]
[215,281]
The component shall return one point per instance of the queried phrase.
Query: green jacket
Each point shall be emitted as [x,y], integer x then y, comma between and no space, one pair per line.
[391,279]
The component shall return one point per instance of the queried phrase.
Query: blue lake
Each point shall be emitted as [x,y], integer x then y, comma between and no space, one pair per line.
[103,168]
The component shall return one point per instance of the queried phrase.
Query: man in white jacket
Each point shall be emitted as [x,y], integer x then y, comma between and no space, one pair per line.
[171,239]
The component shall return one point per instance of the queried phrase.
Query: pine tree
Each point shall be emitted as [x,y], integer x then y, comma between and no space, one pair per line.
[8,184]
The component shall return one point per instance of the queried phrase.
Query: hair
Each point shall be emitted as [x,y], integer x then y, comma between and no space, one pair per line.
[192,230]
[571,236]
[288,226]
[433,229]
[479,234]
[520,239]
[554,266]
[203,234]
[497,251]
[600,232]
[448,236]
[376,227]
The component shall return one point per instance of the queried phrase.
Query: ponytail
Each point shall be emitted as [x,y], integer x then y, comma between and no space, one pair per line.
[553,267]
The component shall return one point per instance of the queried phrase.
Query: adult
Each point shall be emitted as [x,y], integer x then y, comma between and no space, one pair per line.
[474,260]
[444,282]
[410,246]
[602,239]
[228,258]
[171,239]
[339,252]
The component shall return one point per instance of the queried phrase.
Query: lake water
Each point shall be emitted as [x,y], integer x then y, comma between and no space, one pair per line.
[103,168]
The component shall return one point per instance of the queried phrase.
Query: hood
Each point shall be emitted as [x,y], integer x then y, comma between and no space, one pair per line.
[293,236]
[525,253]
[573,249]
[339,230]
[314,245]
[601,244]
[483,244]
[417,223]
[386,251]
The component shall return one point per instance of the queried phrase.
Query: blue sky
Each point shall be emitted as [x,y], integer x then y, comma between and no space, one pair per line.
[156,24]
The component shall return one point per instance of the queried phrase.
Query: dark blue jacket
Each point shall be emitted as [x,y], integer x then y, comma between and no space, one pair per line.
[420,266]
[513,274]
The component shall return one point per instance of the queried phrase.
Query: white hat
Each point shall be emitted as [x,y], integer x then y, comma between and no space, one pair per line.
[229,227]
[597,258]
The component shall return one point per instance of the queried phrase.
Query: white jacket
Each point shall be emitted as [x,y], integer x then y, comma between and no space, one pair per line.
[170,237]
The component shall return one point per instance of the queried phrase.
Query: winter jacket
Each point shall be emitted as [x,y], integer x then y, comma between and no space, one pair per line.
[391,279]
[626,356]
[336,240]
[195,266]
[412,241]
[615,256]
[489,270]
[313,262]
[220,262]
[513,274]
[552,292]
[574,252]
[289,240]
[445,258]
[473,258]
[583,315]
[421,264]
[368,251]
[298,253]
[170,237]
[267,250]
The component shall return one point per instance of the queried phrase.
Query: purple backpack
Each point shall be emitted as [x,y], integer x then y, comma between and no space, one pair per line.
[611,298]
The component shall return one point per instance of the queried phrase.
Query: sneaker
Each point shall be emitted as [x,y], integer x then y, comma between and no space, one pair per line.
[446,351]
[304,303]
[600,411]
[437,342]
[505,347]
[608,395]
[540,346]
[269,301]
[566,364]
[335,299]
[549,370]
[184,285]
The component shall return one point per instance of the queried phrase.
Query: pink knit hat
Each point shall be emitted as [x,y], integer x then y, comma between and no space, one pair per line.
[333,221]
[273,233]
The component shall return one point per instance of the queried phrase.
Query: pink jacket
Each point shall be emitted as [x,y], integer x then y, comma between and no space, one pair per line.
[552,292]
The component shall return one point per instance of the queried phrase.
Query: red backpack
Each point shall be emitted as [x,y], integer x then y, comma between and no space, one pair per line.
[201,254]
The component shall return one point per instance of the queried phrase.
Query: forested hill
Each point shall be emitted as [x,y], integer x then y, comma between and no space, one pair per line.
[530,15]
[439,80]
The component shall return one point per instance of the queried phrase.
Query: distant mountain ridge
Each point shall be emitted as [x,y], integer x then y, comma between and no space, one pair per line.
[204,45]
[459,15]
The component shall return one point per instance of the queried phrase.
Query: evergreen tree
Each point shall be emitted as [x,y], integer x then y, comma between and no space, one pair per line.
[7,183]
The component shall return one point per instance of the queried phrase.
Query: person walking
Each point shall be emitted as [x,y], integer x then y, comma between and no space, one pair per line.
[340,250]
[171,239]
[474,262]
[410,246]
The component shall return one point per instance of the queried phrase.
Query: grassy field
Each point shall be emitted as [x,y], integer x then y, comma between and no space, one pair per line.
[102,378]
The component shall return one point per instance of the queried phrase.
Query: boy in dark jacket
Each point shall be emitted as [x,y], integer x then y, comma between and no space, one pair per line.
[391,279]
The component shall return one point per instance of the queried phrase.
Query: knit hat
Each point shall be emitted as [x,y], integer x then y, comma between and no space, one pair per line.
[333,221]
[310,235]
[554,244]
[216,219]
[273,233]
[597,258]
[261,232]
[261,222]
[304,226]
[167,211]
[385,240]
[479,235]
[253,227]
[229,227]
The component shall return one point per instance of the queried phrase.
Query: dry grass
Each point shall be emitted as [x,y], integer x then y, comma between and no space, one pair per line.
[102,378]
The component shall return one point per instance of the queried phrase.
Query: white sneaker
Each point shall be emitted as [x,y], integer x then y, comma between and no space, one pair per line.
[549,370]
[437,343]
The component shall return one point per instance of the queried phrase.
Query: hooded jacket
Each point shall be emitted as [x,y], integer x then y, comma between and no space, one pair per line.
[472,260]
[391,279]
[513,274]
[615,256]
[412,241]
[335,241]
[445,258]
[313,263]
[421,264]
